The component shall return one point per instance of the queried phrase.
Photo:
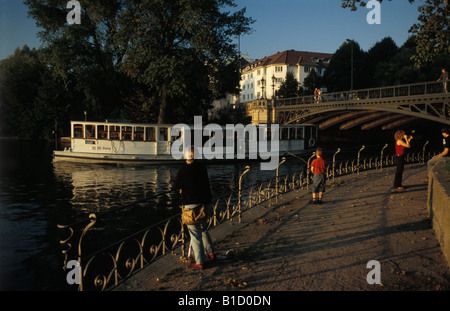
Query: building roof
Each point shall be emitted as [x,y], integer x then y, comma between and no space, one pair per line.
[291,57]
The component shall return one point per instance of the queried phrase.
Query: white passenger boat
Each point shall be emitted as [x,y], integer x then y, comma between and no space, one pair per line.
[113,142]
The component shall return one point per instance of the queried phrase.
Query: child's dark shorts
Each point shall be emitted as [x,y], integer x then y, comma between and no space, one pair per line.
[319,182]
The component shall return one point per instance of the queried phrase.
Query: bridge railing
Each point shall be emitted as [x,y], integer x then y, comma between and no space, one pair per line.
[414,89]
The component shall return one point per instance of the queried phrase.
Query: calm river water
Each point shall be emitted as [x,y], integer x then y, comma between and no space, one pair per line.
[36,195]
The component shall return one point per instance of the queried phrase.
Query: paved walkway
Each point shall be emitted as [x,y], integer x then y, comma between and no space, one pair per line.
[296,246]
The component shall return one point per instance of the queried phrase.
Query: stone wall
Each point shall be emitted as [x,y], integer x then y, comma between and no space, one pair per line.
[439,204]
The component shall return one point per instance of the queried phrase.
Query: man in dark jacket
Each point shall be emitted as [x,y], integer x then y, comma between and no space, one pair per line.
[193,182]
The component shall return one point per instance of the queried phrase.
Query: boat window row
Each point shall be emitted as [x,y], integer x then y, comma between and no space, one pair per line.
[153,134]
[120,132]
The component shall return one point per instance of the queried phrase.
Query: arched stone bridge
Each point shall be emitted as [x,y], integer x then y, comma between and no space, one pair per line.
[388,107]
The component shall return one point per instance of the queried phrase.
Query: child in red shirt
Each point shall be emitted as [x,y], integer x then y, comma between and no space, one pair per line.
[319,179]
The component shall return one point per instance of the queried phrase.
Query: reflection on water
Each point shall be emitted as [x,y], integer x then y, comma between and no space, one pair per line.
[99,188]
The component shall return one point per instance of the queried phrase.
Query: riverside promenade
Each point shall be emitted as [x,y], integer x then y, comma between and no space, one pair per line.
[296,246]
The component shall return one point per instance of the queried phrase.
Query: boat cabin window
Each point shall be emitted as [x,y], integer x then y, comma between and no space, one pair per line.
[138,133]
[284,133]
[163,134]
[300,133]
[176,137]
[78,131]
[114,132]
[292,133]
[90,131]
[126,132]
[102,132]
[267,134]
[150,134]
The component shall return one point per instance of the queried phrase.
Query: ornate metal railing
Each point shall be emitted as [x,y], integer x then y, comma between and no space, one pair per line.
[423,88]
[106,268]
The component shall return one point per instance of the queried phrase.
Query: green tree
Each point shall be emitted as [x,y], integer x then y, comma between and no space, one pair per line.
[290,87]
[181,51]
[432,30]
[312,81]
[401,69]
[337,76]
[382,51]
[85,58]
[147,60]
[19,85]
[352,4]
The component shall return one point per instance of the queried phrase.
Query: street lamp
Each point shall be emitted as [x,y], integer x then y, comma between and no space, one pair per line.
[351,73]
[273,86]
[263,81]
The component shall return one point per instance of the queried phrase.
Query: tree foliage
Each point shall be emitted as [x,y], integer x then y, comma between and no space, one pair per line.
[353,4]
[20,82]
[182,49]
[312,81]
[401,69]
[151,60]
[382,65]
[290,87]
[337,76]
[432,30]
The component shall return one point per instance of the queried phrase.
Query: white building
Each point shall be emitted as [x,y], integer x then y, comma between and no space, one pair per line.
[256,77]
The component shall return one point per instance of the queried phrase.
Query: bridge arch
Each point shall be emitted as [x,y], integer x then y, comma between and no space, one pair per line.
[421,100]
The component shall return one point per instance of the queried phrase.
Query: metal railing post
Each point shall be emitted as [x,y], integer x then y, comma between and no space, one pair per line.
[423,151]
[308,169]
[381,157]
[247,168]
[334,160]
[359,152]
[277,179]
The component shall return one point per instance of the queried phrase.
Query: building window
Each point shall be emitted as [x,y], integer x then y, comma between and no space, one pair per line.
[307,69]
[278,69]
[259,72]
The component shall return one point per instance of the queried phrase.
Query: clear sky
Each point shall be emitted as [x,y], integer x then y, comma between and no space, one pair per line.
[304,25]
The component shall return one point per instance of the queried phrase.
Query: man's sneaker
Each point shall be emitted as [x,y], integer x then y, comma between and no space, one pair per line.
[210,256]
[196,265]
[319,201]
[313,201]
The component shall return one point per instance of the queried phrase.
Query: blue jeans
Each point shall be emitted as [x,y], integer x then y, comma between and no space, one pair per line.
[201,242]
